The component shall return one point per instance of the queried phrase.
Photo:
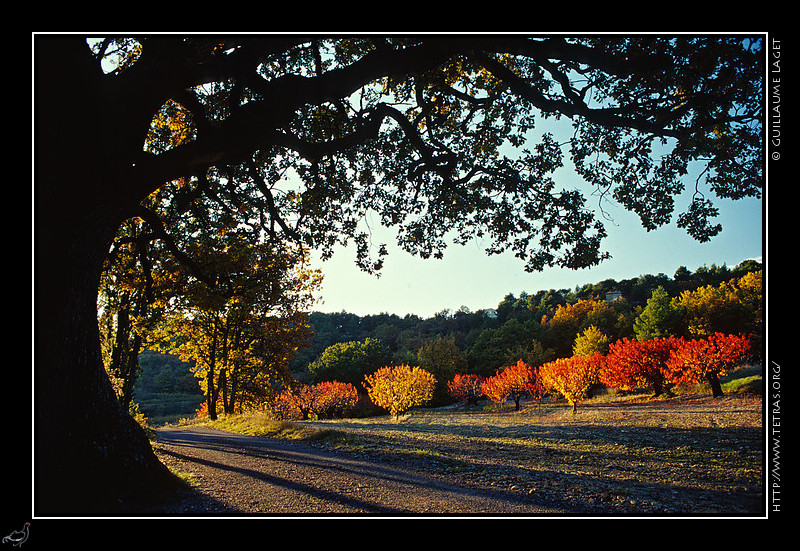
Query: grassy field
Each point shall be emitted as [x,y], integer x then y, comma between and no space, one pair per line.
[689,454]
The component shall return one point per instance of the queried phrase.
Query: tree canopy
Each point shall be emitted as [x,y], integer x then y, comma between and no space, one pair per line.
[439,134]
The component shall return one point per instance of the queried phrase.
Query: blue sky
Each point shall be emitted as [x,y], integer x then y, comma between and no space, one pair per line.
[467,276]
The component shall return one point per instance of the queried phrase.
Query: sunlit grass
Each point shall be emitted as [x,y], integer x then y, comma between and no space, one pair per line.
[259,424]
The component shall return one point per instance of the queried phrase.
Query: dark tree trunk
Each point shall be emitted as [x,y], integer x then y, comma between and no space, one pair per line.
[90,456]
[223,386]
[716,386]
[131,372]
[211,391]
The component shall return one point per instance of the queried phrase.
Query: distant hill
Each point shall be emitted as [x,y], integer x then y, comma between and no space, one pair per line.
[166,389]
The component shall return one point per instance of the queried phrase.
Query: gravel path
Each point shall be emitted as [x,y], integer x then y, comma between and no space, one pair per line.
[244,475]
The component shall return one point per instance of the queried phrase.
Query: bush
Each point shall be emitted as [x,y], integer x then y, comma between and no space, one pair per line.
[326,399]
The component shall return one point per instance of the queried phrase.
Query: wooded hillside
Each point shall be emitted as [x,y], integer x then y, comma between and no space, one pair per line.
[490,337]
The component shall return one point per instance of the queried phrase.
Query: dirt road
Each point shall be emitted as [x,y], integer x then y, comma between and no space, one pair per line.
[244,475]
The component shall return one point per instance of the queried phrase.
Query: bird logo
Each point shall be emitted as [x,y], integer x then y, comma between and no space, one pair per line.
[18,537]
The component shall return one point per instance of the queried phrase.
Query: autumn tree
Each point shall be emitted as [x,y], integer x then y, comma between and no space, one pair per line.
[632,364]
[569,320]
[244,329]
[571,377]
[708,358]
[125,294]
[513,381]
[399,388]
[466,387]
[301,136]
[591,341]
[728,307]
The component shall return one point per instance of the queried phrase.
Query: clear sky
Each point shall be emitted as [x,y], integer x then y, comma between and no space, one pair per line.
[467,276]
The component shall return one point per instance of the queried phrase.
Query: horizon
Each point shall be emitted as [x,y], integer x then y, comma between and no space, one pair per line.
[468,276]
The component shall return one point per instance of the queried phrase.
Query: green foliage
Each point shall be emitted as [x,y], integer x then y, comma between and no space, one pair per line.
[659,318]
[442,358]
[590,341]
[349,362]
[166,389]
[504,345]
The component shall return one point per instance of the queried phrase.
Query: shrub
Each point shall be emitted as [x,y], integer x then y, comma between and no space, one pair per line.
[284,406]
[202,411]
[333,399]
[325,399]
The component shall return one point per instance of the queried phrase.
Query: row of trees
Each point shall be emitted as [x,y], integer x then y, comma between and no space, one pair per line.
[656,363]
[242,361]
[487,338]
[478,343]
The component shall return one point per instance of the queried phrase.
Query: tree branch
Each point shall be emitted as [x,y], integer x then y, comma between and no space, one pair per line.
[604,117]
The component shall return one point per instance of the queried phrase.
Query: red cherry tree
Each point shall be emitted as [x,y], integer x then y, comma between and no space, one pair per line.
[637,364]
[513,381]
[466,388]
[708,358]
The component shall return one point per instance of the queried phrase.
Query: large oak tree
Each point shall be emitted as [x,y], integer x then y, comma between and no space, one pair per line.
[435,135]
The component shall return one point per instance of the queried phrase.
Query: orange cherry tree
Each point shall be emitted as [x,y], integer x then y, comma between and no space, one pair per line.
[399,388]
[708,358]
[513,381]
[636,364]
[571,377]
[325,399]
[333,398]
[466,387]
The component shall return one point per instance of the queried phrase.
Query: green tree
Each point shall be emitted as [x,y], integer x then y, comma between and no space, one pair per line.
[442,358]
[348,362]
[504,345]
[589,342]
[430,133]
[659,318]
